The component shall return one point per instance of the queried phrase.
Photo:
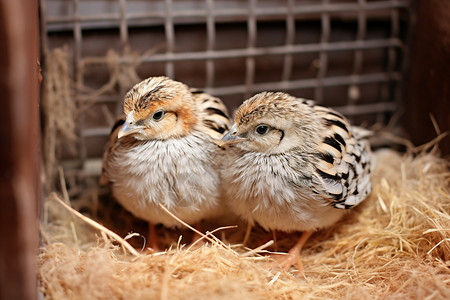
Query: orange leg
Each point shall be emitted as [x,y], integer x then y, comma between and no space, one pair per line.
[293,256]
[197,239]
[274,236]
[152,239]
[248,231]
[275,240]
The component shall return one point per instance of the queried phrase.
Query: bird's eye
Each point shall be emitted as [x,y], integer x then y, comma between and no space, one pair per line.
[158,115]
[262,129]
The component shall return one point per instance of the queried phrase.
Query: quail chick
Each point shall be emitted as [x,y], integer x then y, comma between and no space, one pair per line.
[293,165]
[164,152]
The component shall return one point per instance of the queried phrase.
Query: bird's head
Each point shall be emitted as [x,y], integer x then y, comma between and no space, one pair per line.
[158,108]
[274,123]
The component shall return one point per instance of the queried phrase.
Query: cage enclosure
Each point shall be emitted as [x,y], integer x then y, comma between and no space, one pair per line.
[352,55]
[346,54]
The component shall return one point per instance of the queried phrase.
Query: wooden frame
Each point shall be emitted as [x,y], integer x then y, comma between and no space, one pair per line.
[19,151]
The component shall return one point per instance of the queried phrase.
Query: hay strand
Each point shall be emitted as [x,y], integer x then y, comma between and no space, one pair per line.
[58,107]
[395,245]
[96,225]
[213,240]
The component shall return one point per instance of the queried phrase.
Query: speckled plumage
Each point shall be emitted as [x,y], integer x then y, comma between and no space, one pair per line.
[166,157]
[302,173]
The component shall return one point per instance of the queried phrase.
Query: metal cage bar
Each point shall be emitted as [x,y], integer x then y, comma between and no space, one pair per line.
[211,41]
[77,34]
[290,39]
[78,39]
[387,90]
[123,25]
[251,18]
[354,91]
[236,14]
[322,63]
[170,38]
[275,50]
[251,43]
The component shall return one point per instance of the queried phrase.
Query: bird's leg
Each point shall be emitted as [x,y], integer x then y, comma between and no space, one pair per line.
[248,231]
[197,238]
[274,237]
[293,256]
[152,238]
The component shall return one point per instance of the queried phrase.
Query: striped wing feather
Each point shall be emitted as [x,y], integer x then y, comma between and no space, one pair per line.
[343,165]
[213,114]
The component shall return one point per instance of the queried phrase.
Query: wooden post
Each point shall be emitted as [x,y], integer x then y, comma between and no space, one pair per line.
[428,88]
[19,148]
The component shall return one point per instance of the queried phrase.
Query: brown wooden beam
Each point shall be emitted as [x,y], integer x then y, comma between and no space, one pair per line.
[19,150]
[428,89]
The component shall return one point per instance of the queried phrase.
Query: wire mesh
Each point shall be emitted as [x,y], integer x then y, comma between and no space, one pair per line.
[349,54]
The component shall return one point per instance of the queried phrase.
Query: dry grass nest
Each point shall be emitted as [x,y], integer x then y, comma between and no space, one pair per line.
[394,245]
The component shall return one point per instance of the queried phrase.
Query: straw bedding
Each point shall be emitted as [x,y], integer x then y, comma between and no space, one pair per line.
[394,245]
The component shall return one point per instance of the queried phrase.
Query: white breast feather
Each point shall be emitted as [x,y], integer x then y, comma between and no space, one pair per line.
[172,172]
[259,189]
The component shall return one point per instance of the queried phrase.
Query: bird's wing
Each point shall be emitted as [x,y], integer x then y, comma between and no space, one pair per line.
[104,180]
[213,114]
[343,164]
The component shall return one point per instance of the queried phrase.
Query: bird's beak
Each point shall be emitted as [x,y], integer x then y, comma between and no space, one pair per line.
[232,137]
[129,126]
[128,129]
